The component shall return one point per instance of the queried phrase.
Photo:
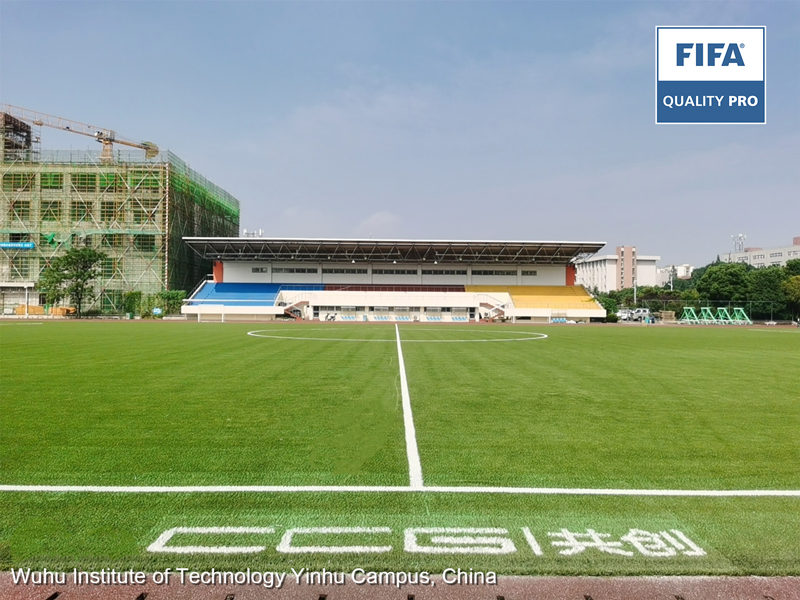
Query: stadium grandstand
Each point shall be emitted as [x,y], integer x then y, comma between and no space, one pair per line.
[422,281]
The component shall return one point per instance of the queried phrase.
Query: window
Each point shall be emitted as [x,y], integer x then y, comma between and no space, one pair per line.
[111,240]
[444,272]
[84,182]
[529,273]
[18,182]
[79,210]
[51,211]
[500,273]
[20,209]
[394,272]
[145,181]
[52,181]
[110,267]
[294,270]
[343,271]
[144,210]
[776,254]
[18,237]
[111,182]
[20,267]
[111,210]
[757,256]
[145,242]
[260,270]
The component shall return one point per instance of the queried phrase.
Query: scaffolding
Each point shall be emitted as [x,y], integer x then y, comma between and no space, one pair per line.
[136,210]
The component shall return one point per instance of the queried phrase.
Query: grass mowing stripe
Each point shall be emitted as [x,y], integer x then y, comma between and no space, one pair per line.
[414,464]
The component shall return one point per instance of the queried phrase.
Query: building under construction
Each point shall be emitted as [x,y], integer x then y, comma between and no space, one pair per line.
[133,206]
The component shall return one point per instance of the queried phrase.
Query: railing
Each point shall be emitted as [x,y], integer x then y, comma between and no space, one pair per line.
[197,287]
[498,306]
[289,302]
[483,297]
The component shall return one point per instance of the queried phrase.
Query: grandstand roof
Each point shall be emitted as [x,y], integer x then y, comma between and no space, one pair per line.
[401,251]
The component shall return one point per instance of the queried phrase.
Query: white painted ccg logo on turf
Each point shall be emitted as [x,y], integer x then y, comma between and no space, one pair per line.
[433,540]
[711,75]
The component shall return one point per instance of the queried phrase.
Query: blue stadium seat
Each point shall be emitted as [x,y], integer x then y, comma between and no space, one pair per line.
[245,294]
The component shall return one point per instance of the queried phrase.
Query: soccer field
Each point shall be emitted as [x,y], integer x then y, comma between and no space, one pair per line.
[516,448]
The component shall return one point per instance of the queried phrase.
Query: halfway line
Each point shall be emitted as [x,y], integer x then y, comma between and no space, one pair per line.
[414,464]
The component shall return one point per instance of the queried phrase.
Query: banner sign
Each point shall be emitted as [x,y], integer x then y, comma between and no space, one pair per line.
[17,245]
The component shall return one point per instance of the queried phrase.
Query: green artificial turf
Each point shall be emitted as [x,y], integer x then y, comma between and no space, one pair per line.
[93,531]
[151,403]
[179,404]
[617,407]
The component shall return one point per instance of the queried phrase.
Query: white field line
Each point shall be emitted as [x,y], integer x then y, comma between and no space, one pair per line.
[414,464]
[387,489]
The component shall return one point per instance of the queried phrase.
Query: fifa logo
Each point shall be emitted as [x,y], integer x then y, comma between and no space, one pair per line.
[732,54]
[711,75]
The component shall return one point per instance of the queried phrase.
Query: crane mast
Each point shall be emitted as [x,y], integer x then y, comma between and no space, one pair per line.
[107,137]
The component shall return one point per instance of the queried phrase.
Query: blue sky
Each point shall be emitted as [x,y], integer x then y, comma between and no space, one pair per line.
[469,120]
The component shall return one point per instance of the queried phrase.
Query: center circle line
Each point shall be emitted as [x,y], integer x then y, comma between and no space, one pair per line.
[266,333]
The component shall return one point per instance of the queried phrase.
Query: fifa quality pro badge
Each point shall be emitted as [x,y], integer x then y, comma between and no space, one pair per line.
[711,74]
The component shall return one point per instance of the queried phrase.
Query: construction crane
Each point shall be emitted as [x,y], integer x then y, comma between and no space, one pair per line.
[107,137]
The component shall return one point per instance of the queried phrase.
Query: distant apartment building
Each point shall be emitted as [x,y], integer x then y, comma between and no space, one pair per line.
[610,272]
[765,257]
[671,272]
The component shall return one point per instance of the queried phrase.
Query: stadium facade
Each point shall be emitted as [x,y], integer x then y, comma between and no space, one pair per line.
[134,209]
[391,280]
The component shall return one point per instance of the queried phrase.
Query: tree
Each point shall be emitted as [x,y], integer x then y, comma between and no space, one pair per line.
[765,290]
[690,299]
[792,267]
[608,303]
[71,275]
[791,288]
[624,297]
[724,282]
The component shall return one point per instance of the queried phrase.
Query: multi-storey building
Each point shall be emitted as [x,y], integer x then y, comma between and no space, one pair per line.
[765,257]
[624,269]
[134,209]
